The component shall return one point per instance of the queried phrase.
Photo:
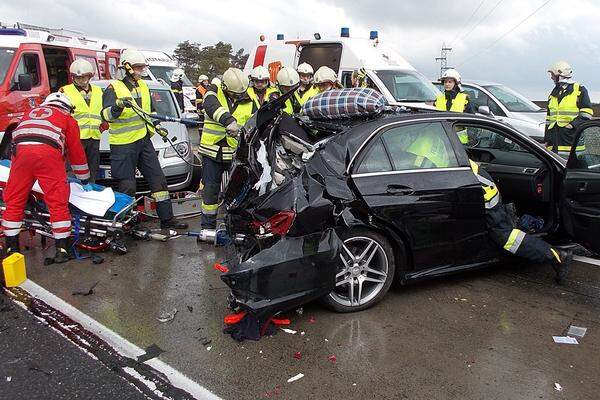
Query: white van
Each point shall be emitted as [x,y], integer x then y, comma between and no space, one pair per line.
[388,72]
[160,68]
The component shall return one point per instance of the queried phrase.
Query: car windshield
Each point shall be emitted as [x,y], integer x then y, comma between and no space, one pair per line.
[512,100]
[164,73]
[408,86]
[6,56]
[163,103]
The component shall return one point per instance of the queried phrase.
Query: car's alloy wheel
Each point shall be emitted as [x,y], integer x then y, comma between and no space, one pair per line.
[365,274]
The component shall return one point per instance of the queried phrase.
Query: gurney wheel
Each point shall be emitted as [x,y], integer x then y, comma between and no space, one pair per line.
[118,248]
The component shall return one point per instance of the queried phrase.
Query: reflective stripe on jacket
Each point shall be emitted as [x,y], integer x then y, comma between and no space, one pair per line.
[87,116]
[459,103]
[130,127]
[491,195]
[564,112]
[306,95]
[213,133]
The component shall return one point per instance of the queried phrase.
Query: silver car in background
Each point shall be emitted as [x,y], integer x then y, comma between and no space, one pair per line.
[507,106]
[176,170]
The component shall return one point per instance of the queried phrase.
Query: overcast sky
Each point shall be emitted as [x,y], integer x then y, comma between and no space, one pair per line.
[561,29]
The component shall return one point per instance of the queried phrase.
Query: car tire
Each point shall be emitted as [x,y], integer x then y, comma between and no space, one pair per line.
[372,271]
[196,175]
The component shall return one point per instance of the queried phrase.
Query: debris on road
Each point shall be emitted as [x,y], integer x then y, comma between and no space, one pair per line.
[291,331]
[97,259]
[295,378]
[576,331]
[557,387]
[87,292]
[9,378]
[297,355]
[208,348]
[152,351]
[167,316]
[332,358]
[565,340]
[205,341]
[190,308]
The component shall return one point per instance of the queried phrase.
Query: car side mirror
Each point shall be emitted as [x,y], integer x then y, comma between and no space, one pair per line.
[485,110]
[25,83]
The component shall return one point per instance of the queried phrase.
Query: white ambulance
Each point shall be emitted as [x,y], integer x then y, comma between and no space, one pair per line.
[160,68]
[388,72]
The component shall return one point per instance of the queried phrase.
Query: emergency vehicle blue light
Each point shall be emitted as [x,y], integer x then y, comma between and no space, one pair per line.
[280,36]
[373,35]
[13,32]
[345,32]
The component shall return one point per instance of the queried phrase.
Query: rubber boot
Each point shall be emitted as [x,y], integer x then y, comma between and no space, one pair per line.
[62,251]
[12,245]
[173,223]
[562,264]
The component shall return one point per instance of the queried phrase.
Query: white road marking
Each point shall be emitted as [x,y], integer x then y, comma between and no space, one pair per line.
[120,344]
[587,260]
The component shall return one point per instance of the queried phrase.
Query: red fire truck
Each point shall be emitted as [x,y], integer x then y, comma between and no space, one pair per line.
[34,61]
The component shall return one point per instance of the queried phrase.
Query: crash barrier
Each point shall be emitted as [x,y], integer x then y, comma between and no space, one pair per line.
[345,103]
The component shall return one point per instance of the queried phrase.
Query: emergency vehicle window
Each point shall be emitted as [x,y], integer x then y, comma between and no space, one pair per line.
[419,146]
[319,54]
[478,98]
[112,67]
[57,63]
[6,56]
[587,151]
[28,64]
[376,160]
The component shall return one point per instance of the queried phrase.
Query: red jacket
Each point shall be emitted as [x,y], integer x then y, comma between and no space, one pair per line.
[57,128]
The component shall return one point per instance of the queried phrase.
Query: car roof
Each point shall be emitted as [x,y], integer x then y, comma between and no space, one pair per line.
[103,83]
[480,83]
[353,138]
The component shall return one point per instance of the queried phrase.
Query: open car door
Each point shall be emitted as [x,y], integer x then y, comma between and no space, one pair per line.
[580,195]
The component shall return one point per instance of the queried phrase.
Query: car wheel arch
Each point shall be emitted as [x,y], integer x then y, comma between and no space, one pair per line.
[399,241]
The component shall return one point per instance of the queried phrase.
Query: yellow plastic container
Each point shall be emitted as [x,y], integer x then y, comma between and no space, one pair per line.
[14,270]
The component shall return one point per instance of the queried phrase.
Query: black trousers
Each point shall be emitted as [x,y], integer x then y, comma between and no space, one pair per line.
[92,153]
[513,240]
[126,158]
[212,173]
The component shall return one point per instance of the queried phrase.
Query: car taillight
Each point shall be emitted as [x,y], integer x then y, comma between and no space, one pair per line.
[279,223]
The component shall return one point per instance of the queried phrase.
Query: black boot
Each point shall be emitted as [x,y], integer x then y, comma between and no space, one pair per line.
[562,266]
[173,223]
[62,251]
[12,245]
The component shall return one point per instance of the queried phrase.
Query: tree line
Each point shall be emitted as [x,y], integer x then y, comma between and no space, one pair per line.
[208,60]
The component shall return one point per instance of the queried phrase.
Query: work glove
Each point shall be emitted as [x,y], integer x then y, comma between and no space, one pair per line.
[87,187]
[124,102]
[233,129]
[162,131]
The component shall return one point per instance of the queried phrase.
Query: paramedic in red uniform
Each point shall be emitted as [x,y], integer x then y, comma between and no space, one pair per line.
[40,142]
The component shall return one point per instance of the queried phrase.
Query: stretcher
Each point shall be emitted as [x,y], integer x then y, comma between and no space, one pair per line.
[100,219]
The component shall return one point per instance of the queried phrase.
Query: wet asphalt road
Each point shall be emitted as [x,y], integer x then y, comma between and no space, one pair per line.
[36,363]
[478,335]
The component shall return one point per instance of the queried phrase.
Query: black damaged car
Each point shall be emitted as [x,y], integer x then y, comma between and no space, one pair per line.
[338,210]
